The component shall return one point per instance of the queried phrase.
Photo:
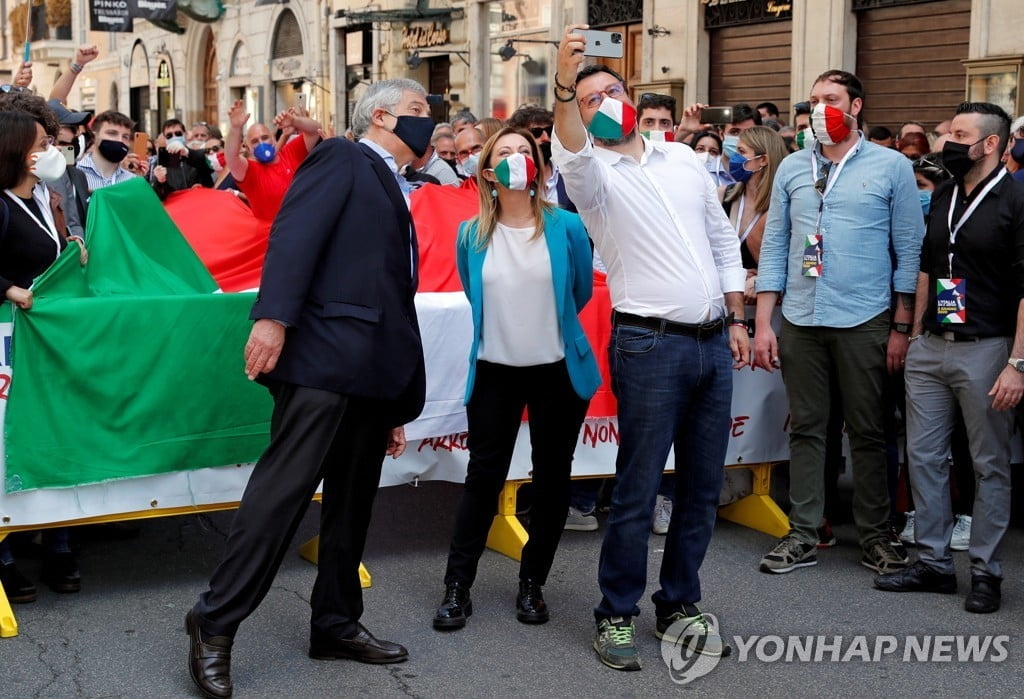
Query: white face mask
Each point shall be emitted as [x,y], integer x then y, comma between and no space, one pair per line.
[470,164]
[703,157]
[49,164]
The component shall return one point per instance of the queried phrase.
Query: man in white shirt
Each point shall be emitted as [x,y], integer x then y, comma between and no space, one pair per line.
[676,283]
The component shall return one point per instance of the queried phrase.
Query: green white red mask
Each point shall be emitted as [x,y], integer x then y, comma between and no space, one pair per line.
[517,171]
[831,126]
[613,120]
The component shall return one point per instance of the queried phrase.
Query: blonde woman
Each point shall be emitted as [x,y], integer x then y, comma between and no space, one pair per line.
[526,269]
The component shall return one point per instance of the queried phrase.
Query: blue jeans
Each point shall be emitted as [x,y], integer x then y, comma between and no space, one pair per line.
[672,390]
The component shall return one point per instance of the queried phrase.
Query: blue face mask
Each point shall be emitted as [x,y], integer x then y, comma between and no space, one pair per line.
[729,145]
[925,197]
[470,164]
[264,152]
[737,168]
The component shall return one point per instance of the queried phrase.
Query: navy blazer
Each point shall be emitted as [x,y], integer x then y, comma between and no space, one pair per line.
[572,274]
[340,273]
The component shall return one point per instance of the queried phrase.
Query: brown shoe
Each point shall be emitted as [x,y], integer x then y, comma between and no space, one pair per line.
[209,660]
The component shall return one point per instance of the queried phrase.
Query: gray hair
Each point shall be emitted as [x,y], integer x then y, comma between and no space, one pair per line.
[383,94]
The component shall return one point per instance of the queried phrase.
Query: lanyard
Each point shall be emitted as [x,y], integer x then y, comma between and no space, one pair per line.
[49,226]
[839,168]
[739,221]
[953,230]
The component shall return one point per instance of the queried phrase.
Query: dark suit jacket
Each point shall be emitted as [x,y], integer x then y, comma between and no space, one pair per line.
[338,274]
[81,193]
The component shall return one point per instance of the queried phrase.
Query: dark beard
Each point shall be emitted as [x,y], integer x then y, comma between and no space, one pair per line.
[612,142]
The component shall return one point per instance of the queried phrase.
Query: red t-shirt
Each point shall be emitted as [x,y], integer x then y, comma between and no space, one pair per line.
[265,184]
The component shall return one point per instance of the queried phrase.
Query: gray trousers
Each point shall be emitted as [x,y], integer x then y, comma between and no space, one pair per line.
[939,375]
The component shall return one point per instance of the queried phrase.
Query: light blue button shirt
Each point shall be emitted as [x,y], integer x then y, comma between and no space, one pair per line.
[872,204]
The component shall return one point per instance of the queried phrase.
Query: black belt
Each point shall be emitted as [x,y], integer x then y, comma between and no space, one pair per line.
[697,330]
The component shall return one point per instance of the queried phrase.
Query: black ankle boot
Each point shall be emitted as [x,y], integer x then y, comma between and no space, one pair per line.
[530,605]
[454,609]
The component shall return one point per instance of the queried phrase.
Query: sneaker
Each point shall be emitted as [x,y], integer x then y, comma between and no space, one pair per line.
[579,521]
[907,535]
[961,540]
[880,557]
[616,643]
[662,515]
[698,633]
[897,546]
[826,539]
[789,554]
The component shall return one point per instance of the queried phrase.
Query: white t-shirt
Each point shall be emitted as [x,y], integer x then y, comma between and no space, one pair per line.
[520,319]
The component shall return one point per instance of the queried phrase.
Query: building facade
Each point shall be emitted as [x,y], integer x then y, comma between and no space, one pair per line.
[917,58]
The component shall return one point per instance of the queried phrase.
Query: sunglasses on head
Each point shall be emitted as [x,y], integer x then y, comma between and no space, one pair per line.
[538,131]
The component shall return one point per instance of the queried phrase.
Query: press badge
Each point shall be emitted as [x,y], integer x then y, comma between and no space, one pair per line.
[812,255]
[951,301]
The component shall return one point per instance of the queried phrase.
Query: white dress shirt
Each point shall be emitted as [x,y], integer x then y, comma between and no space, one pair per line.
[670,251]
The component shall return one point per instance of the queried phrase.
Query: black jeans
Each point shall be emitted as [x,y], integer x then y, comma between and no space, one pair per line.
[494,412]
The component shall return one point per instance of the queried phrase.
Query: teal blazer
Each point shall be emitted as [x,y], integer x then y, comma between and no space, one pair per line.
[573,275]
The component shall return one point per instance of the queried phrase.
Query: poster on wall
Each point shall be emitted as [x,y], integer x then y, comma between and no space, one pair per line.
[111,16]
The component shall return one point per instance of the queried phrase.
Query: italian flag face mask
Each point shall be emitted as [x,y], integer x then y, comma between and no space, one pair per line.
[831,126]
[517,171]
[659,136]
[613,120]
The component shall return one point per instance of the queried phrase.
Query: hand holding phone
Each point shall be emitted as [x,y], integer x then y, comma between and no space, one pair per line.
[140,144]
[716,115]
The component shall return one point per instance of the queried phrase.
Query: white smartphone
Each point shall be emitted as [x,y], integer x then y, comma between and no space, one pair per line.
[300,100]
[603,44]
[69,154]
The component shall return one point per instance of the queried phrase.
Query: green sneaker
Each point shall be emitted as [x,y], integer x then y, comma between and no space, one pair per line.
[698,633]
[616,643]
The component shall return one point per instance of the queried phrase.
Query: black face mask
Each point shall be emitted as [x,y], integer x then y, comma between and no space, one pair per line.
[414,132]
[113,151]
[956,157]
[545,150]
[452,163]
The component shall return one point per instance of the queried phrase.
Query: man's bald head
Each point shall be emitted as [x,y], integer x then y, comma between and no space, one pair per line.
[467,142]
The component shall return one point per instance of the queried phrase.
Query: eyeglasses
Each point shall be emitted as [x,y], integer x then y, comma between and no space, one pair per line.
[539,131]
[11,88]
[822,181]
[592,101]
[174,134]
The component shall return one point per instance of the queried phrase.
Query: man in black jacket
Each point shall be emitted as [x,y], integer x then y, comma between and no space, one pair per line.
[336,340]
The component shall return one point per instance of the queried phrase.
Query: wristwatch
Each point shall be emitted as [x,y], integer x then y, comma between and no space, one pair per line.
[1017,364]
[902,328]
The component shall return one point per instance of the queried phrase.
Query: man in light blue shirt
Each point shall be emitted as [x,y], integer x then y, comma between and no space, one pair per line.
[843,233]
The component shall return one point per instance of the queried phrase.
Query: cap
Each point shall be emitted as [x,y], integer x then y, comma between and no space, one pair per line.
[65,116]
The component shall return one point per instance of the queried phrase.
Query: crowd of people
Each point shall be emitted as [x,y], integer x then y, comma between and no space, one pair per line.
[867,239]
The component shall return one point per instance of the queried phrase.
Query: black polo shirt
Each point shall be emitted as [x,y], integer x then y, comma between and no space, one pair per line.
[988,254]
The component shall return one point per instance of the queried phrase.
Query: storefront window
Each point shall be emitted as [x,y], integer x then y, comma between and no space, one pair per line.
[520,54]
[995,80]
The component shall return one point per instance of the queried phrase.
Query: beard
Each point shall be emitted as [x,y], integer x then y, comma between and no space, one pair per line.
[612,142]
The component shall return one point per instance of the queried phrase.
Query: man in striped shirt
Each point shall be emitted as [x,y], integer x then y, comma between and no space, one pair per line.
[110,160]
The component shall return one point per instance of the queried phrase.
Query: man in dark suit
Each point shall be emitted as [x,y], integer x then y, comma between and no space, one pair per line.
[336,341]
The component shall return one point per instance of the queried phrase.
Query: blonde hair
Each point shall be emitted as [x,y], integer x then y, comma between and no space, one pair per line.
[489,126]
[765,141]
[487,219]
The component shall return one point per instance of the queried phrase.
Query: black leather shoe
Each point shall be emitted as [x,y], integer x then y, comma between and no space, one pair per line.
[454,609]
[18,588]
[985,595]
[209,660]
[530,605]
[60,572]
[363,647]
[917,577]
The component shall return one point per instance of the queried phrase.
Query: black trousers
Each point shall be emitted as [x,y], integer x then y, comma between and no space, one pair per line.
[314,435]
[494,413]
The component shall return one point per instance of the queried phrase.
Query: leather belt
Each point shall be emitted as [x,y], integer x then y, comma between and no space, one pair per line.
[950,336]
[697,330]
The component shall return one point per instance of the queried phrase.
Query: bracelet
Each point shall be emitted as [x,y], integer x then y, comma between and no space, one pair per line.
[562,87]
[913,337]
[739,324]
[75,68]
[570,98]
